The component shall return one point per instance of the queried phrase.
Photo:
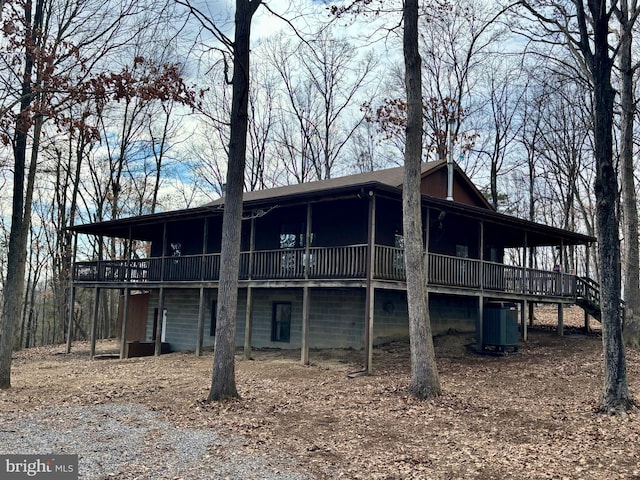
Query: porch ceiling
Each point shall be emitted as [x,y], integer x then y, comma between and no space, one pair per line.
[509,230]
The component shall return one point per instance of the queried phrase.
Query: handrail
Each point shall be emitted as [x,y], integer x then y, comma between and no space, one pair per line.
[342,262]
[291,263]
[345,263]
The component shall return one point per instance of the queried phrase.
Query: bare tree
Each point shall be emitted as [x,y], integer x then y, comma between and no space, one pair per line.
[458,41]
[584,29]
[322,81]
[210,146]
[626,15]
[504,86]
[425,382]
[223,383]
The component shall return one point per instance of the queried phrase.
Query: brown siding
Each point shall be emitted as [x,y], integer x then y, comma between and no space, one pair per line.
[137,321]
[435,185]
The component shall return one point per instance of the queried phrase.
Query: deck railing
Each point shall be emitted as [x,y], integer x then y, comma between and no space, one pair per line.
[348,262]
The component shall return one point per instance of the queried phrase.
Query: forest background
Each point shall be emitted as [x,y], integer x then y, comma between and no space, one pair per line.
[122,108]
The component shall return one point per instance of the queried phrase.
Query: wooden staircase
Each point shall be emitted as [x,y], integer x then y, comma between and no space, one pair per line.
[588,297]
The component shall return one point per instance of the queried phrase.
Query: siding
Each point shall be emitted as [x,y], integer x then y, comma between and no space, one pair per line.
[336,317]
[453,313]
[391,317]
[182,318]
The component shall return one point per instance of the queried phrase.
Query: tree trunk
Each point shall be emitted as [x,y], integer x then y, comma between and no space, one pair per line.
[424,373]
[629,200]
[223,382]
[14,285]
[616,393]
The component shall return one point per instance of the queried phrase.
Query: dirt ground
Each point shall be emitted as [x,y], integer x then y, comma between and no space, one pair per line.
[530,414]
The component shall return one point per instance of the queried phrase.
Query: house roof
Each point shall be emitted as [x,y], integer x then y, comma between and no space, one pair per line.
[392,177]
[387,181]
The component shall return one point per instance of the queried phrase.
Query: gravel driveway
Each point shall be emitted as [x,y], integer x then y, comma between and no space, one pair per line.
[131,442]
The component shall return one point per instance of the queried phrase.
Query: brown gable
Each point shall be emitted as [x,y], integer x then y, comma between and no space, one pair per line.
[434,183]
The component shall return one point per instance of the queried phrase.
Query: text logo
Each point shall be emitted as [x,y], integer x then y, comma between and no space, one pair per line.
[50,467]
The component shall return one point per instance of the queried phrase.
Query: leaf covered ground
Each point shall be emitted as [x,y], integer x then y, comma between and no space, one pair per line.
[530,414]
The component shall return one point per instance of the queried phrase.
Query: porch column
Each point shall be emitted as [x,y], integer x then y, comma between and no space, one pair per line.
[200,332]
[306,307]
[562,268]
[481,255]
[72,293]
[127,263]
[586,274]
[560,319]
[304,347]
[164,251]
[94,321]
[203,263]
[531,313]
[248,324]
[560,305]
[525,289]
[125,320]
[523,319]
[587,326]
[480,320]
[158,346]
[370,290]
[248,317]
[205,239]
[71,312]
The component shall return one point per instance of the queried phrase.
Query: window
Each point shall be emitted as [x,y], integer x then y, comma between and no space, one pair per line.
[287,240]
[214,313]
[281,322]
[398,240]
[292,237]
[398,256]
[462,251]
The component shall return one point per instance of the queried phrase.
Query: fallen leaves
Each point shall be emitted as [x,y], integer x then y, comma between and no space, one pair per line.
[526,415]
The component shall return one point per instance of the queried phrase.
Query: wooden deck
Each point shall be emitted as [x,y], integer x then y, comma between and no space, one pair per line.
[346,263]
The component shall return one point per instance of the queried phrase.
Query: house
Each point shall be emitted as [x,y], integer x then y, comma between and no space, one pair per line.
[322,266]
